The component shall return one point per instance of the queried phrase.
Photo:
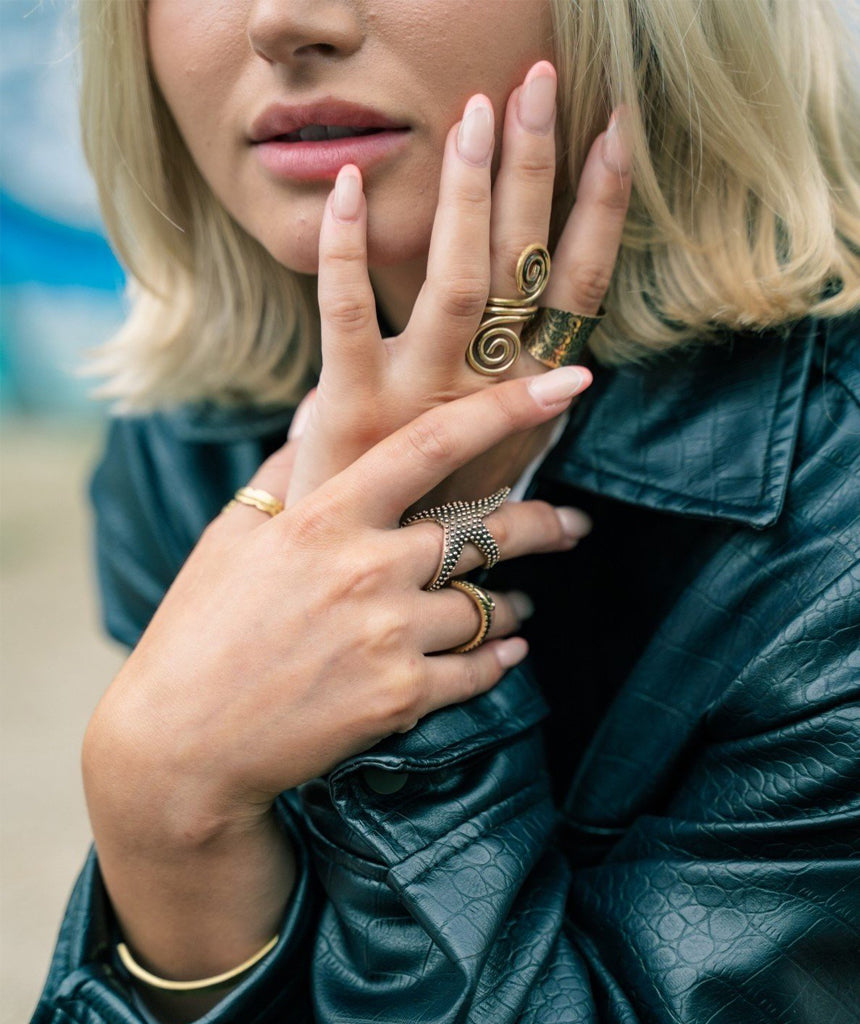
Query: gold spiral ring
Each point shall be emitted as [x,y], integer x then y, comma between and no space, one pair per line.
[495,345]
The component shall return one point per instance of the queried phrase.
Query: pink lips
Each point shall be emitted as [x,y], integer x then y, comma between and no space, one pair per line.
[318,159]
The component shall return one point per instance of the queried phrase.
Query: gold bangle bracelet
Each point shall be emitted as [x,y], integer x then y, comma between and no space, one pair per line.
[134,969]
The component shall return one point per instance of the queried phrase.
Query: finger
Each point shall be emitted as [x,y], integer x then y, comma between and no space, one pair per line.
[301,416]
[449,617]
[273,476]
[522,193]
[458,266]
[453,678]
[395,473]
[350,338]
[588,248]
[519,528]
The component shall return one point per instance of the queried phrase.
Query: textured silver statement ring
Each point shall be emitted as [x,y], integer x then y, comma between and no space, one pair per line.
[462,523]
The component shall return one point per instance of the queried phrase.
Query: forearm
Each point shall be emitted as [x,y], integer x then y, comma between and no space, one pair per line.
[191,900]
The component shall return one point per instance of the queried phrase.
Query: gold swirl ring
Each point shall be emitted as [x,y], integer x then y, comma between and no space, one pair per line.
[495,345]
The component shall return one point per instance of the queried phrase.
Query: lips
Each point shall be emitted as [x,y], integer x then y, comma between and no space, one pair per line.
[313,141]
[319,122]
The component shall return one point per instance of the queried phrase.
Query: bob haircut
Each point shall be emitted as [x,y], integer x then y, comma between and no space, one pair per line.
[745,122]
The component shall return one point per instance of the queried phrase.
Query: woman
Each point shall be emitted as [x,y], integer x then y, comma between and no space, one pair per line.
[307,803]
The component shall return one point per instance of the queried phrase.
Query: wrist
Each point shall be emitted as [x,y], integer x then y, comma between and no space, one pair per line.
[157,792]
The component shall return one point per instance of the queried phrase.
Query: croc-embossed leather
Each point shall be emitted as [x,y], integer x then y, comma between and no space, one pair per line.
[655,819]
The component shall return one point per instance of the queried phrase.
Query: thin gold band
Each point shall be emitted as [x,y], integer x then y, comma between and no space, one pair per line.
[134,968]
[256,498]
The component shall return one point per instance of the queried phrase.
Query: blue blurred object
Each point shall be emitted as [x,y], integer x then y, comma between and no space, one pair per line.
[60,286]
[36,248]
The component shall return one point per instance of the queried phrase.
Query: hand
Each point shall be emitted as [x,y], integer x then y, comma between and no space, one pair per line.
[370,386]
[290,643]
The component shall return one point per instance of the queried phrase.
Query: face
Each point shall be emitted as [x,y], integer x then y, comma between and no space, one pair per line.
[386,79]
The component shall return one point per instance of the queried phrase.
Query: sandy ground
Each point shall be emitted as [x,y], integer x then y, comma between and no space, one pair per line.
[54,663]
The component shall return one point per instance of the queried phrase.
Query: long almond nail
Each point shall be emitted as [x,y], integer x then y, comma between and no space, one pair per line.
[617,151]
[575,524]
[475,137]
[347,193]
[559,385]
[511,652]
[536,99]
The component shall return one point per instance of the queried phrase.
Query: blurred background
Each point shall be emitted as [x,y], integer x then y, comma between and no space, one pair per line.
[60,294]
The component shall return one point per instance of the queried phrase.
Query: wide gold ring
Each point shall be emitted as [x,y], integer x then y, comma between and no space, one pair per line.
[486,607]
[256,498]
[556,337]
[495,346]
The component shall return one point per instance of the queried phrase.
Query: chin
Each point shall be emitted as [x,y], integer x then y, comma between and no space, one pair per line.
[385,247]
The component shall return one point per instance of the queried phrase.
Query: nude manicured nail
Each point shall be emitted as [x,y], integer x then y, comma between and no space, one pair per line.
[521,604]
[617,154]
[575,524]
[512,651]
[475,137]
[347,193]
[559,385]
[536,100]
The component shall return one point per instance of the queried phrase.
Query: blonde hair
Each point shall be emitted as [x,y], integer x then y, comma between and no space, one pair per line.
[745,122]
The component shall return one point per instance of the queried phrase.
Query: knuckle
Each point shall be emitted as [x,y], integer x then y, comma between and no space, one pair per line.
[401,698]
[535,169]
[385,630]
[428,440]
[612,198]
[508,408]
[464,296]
[309,525]
[590,282]
[347,309]
[474,675]
[361,575]
[470,197]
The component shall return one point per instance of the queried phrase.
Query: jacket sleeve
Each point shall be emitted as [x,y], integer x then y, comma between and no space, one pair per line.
[146,526]
[457,893]
[705,868]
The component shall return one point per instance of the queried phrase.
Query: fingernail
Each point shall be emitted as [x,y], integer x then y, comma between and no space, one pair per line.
[511,652]
[475,137]
[575,524]
[536,100]
[521,604]
[559,385]
[300,418]
[617,152]
[347,193]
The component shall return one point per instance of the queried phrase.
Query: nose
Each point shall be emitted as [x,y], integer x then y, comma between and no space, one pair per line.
[296,31]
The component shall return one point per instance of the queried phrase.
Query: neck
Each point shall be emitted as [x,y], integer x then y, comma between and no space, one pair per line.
[396,288]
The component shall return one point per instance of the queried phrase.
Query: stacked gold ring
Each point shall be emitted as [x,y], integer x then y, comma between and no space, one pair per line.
[256,498]
[486,607]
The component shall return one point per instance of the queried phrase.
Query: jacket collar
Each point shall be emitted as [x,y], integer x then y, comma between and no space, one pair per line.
[710,432]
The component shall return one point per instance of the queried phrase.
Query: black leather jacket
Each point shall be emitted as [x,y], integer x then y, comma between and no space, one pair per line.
[679,839]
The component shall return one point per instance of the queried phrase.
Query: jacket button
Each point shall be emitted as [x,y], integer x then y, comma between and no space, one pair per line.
[383,782]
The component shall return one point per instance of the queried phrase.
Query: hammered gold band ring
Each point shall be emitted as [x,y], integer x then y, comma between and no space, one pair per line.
[486,607]
[495,345]
[256,498]
[556,337]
